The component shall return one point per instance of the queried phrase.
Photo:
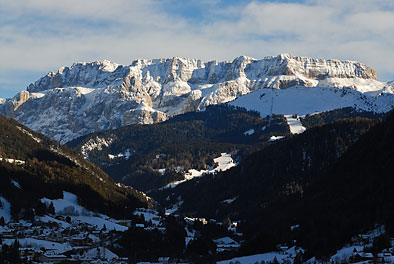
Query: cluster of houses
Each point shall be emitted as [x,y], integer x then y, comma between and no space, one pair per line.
[52,242]
[64,239]
[359,250]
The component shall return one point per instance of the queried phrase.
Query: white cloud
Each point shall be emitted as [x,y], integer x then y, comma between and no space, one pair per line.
[45,34]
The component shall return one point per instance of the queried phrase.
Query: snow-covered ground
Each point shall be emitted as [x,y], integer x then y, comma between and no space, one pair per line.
[229,201]
[309,100]
[49,219]
[249,132]
[295,124]
[275,138]
[30,134]
[287,255]
[38,244]
[15,161]
[225,162]
[149,215]
[356,247]
[69,200]
[225,244]
[16,184]
[125,155]
[346,252]
[99,252]
[69,206]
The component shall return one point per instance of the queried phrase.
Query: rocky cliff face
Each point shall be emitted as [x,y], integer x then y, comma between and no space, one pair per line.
[88,97]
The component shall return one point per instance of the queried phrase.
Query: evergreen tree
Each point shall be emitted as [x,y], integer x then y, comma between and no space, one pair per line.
[51,208]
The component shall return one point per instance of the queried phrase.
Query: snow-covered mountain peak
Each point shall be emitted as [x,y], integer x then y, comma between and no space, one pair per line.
[319,69]
[91,96]
[105,65]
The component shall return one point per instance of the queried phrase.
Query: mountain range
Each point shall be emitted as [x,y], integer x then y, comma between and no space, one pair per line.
[96,96]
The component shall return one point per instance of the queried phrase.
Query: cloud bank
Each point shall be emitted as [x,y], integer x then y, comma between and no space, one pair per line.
[37,36]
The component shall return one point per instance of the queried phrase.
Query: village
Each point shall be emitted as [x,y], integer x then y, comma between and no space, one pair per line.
[59,240]
[72,234]
[75,235]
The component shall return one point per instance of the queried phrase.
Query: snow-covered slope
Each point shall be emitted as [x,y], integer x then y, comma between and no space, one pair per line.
[224,162]
[69,206]
[295,125]
[88,97]
[307,100]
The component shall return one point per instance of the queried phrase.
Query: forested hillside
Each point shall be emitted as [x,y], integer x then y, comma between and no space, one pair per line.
[134,154]
[333,182]
[353,196]
[281,169]
[33,166]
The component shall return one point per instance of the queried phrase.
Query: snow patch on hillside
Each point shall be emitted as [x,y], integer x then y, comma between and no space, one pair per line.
[275,138]
[224,162]
[249,132]
[69,199]
[149,215]
[295,124]
[84,90]
[36,139]
[287,256]
[36,95]
[93,144]
[14,161]
[229,201]
[16,184]
[126,155]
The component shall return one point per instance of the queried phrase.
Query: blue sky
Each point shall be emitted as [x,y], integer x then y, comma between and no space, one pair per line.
[39,36]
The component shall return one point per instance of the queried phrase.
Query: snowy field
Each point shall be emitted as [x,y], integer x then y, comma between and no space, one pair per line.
[287,255]
[69,206]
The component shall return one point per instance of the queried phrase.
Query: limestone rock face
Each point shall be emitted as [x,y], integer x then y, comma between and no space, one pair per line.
[88,97]
[143,114]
